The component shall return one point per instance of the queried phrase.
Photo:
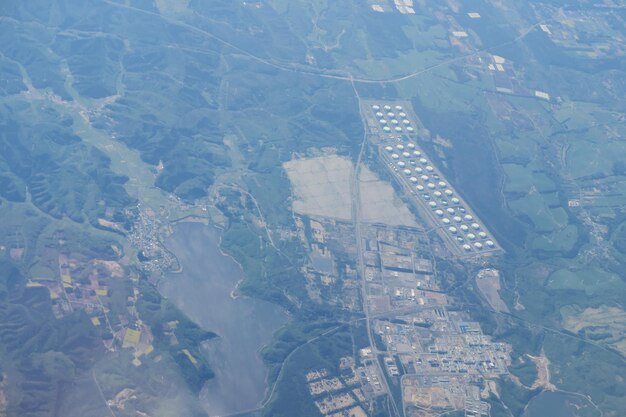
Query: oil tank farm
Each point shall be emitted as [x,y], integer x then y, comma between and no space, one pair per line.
[437,201]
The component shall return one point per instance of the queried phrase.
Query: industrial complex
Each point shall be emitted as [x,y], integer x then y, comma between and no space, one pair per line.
[426,350]
[425,353]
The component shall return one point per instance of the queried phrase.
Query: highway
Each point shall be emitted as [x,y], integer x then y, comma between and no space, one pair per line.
[356,218]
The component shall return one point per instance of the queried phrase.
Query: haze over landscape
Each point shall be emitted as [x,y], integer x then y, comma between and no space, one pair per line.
[362,208]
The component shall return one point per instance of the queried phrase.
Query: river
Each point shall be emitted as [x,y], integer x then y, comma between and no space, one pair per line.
[244,325]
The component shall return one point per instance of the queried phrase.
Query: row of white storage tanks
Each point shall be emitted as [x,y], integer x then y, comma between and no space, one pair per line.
[380,113]
[390,114]
[393,121]
[446,192]
[386,107]
[478,245]
[387,129]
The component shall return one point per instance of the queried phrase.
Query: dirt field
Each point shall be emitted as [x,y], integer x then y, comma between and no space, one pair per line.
[488,281]
[352,412]
[332,403]
[380,203]
[321,186]
[543,373]
[426,397]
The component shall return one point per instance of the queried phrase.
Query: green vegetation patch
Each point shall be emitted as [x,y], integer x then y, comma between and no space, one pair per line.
[543,217]
[587,158]
[39,353]
[575,364]
[292,394]
[166,320]
[591,280]
[563,240]
[521,179]
[64,176]
[525,370]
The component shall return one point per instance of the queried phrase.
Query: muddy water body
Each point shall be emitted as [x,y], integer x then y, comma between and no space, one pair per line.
[244,325]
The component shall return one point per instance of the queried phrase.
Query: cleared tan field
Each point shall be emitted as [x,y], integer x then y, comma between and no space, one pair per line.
[380,203]
[488,282]
[333,403]
[427,397]
[352,412]
[543,373]
[321,186]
